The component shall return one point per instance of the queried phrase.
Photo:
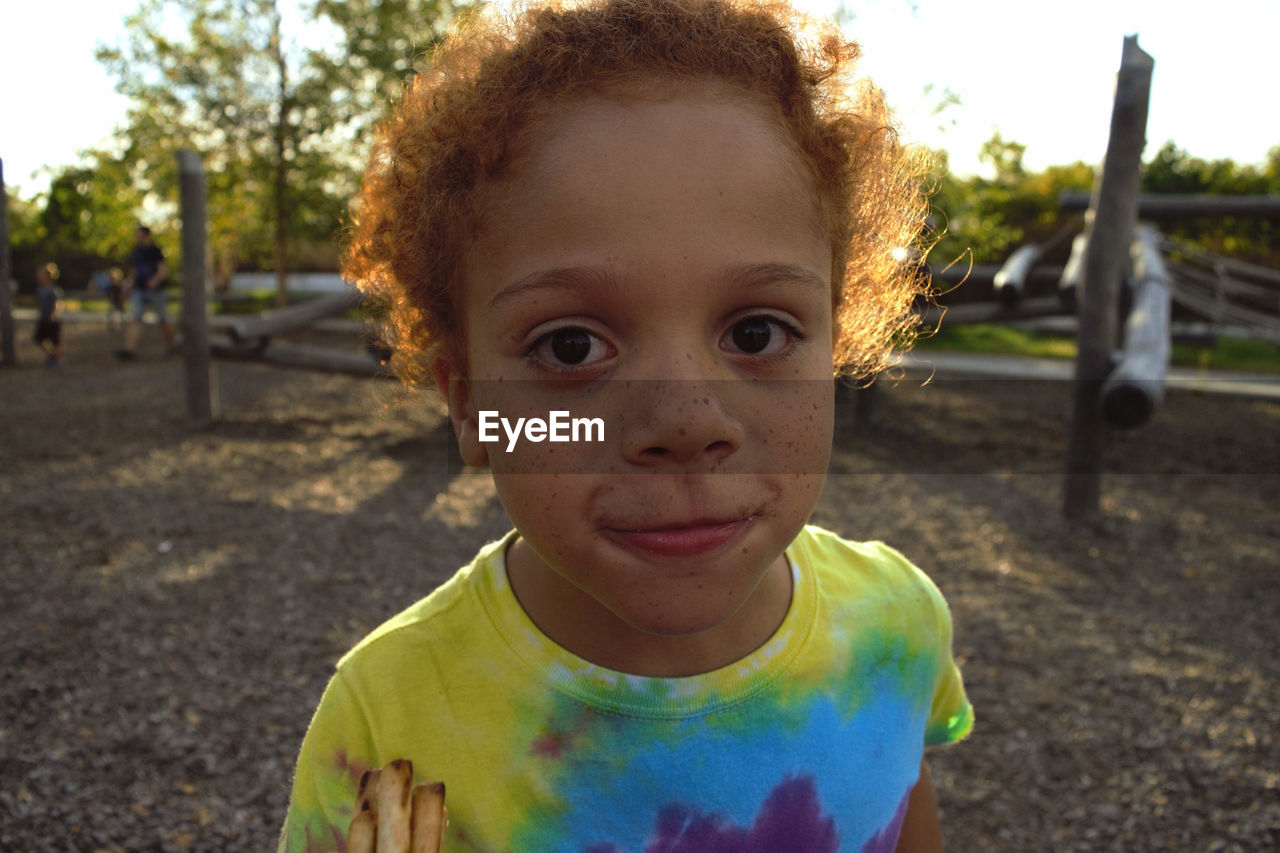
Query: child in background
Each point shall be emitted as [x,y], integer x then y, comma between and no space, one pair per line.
[48,335]
[115,298]
[678,217]
[110,283]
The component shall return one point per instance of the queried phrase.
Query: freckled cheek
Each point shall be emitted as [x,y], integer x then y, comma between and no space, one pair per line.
[815,435]
[796,427]
[549,508]
[808,489]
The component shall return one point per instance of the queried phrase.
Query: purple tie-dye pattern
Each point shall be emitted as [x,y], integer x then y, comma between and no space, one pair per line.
[886,840]
[790,819]
[680,831]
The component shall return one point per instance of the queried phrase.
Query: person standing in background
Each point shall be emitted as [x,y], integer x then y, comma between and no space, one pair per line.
[146,288]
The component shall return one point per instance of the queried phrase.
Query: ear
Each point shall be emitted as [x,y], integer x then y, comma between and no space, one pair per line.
[462,413]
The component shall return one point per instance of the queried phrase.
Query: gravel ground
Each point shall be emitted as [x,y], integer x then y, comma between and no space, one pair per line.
[171,603]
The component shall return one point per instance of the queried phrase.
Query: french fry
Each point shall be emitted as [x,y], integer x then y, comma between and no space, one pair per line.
[429,818]
[362,834]
[391,791]
[393,816]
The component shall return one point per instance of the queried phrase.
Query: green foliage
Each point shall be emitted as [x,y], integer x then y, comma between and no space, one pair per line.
[983,219]
[25,227]
[91,209]
[382,45]
[1172,170]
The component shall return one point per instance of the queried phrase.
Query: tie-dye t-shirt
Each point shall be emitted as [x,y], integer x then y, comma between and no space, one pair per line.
[810,744]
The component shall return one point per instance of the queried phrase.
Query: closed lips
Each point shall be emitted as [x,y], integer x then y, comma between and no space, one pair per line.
[686,539]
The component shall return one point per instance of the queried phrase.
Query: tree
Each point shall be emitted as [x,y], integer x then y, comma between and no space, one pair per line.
[382,44]
[25,228]
[1005,157]
[90,208]
[283,128]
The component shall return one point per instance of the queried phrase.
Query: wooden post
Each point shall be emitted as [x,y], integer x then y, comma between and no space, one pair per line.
[1115,212]
[195,321]
[1134,389]
[8,351]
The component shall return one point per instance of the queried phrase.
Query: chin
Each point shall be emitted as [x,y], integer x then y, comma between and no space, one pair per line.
[687,607]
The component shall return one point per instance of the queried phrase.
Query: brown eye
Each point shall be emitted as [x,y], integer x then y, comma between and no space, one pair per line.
[570,346]
[761,335]
[752,335]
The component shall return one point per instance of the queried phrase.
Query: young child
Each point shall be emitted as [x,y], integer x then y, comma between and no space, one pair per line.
[677,217]
[48,334]
[115,298]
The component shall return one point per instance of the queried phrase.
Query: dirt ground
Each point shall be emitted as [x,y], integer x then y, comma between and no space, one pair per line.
[172,602]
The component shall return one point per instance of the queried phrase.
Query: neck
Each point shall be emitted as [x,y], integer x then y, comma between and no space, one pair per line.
[577,622]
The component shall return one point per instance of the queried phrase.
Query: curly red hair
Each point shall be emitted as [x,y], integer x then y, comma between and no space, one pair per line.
[458,123]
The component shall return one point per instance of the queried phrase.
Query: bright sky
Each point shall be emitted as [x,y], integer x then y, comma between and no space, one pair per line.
[1043,74]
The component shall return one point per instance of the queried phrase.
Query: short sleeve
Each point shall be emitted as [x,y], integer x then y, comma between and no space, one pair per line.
[335,753]
[950,714]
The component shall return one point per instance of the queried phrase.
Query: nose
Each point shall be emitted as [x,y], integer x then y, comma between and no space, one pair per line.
[684,425]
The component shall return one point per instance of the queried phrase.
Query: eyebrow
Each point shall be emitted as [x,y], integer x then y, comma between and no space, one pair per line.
[578,279]
[766,274]
[593,279]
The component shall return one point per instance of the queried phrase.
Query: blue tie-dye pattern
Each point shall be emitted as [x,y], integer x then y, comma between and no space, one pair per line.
[861,767]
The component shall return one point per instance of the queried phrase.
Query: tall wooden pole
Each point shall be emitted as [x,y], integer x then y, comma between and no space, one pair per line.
[1115,210]
[195,321]
[8,352]
[276,47]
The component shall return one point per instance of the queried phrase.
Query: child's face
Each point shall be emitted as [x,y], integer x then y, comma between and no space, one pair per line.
[660,266]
